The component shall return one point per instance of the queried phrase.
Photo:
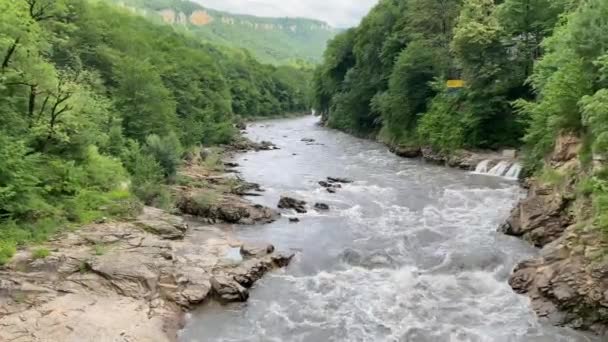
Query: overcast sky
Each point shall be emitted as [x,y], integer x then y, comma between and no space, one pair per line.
[339,13]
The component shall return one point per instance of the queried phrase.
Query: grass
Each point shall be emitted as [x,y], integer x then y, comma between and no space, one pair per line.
[207,199]
[85,208]
[214,161]
[41,253]
[552,177]
[100,250]
[7,250]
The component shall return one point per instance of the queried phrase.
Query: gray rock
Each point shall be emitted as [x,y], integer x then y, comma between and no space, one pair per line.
[339,180]
[228,290]
[256,250]
[160,223]
[321,206]
[292,203]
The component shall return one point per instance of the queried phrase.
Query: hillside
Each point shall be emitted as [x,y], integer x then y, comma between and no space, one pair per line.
[271,40]
[93,97]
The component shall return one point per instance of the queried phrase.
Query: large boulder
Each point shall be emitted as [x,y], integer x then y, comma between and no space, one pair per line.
[228,290]
[160,223]
[229,209]
[541,218]
[407,151]
[565,285]
[256,249]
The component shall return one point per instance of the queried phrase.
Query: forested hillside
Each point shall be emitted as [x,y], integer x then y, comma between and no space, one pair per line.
[98,106]
[389,74]
[271,40]
[532,70]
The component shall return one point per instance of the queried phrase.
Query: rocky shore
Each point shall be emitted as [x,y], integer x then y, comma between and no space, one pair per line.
[462,159]
[134,280]
[568,282]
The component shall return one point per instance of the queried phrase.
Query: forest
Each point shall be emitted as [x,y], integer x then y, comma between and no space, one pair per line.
[98,106]
[531,70]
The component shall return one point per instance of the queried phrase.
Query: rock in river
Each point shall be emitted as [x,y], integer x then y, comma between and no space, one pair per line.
[321,206]
[339,180]
[292,203]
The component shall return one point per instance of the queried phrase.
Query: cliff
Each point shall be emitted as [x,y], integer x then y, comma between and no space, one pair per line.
[568,282]
[272,40]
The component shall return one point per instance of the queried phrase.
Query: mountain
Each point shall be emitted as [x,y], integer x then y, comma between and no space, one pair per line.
[271,40]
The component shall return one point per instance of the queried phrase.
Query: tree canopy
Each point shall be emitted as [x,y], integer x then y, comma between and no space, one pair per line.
[98,105]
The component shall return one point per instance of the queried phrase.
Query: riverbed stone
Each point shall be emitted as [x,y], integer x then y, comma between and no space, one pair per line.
[256,249]
[321,206]
[291,203]
[339,180]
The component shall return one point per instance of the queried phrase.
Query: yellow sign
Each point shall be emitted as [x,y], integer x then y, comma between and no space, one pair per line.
[455,84]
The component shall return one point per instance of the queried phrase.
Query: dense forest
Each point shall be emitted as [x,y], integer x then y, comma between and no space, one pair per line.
[532,69]
[98,106]
[293,41]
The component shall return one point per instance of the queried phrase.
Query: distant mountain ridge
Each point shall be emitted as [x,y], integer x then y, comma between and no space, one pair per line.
[272,40]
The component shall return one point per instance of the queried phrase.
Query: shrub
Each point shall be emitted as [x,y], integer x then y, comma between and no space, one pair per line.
[207,199]
[167,151]
[41,253]
[7,250]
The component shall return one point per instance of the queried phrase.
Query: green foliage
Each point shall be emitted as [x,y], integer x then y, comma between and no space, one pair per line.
[293,41]
[97,106]
[442,126]
[167,151]
[7,250]
[205,200]
[384,76]
[41,253]
[100,250]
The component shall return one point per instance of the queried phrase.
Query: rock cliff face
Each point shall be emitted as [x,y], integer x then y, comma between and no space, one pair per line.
[568,282]
[270,40]
[204,17]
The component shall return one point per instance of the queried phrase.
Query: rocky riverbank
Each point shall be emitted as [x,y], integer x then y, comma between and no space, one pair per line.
[462,159]
[132,281]
[568,282]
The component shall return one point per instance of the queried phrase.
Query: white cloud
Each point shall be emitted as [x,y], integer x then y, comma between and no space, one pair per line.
[339,13]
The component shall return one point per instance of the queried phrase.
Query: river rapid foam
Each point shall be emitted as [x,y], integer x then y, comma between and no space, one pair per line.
[408,252]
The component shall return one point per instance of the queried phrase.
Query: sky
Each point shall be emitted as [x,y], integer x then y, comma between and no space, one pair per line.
[338,13]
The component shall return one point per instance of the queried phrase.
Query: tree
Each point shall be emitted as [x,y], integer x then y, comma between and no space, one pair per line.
[146,104]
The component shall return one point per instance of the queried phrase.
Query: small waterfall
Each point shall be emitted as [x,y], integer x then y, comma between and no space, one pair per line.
[514,171]
[500,169]
[504,168]
[483,167]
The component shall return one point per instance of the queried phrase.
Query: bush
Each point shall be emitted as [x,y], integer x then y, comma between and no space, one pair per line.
[41,253]
[167,151]
[7,250]
[442,127]
[207,199]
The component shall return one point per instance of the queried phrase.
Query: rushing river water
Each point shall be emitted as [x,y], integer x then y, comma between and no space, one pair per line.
[408,252]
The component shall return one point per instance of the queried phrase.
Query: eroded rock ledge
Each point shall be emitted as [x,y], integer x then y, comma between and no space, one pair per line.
[126,281]
[568,282]
[462,159]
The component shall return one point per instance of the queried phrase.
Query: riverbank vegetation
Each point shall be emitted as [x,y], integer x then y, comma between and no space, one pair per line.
[98,107]
[530,71]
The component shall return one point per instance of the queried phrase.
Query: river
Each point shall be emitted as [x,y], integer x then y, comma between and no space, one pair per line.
[408,252]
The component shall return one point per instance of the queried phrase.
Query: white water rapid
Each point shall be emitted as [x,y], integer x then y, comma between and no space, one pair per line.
[408,252]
